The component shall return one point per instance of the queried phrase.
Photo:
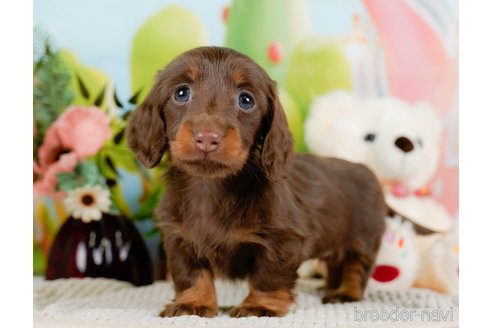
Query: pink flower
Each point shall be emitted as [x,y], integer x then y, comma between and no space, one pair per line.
[47,184]
[78,133]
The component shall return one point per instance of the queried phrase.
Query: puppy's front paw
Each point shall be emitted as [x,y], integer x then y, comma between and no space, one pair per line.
[254,311]
[177,309]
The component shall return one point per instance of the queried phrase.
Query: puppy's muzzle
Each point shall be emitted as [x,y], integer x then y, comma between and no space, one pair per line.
[207,140]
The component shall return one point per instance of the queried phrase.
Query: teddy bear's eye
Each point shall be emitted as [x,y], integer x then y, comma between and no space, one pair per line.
[370,137]
[419,142]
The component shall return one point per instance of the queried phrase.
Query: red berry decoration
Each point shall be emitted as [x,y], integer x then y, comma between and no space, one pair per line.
[275,52]
[225,14]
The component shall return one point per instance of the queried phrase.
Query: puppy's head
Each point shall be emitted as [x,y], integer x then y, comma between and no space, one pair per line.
[212,108]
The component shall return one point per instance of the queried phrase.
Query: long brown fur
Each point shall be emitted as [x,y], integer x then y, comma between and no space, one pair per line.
[250,209]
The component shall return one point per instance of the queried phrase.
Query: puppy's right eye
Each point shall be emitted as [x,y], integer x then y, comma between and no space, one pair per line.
[182,94]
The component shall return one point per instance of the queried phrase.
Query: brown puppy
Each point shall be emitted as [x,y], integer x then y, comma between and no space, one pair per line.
[239,203]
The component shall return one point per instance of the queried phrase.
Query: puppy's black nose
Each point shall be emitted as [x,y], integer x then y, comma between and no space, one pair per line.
[207,141]
[404,144]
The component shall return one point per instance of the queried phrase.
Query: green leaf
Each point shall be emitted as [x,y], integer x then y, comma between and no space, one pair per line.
[124,158]
[116,100]
[134,99]
[119,136]
[100,98]
[105,171]
[119,200]
[126,116]
[39,260]
[146,210]
[67,181]
[37,66]
[66,176]
[110,163]
[47,49]
[68,185]
[83,89]
[152,232]
[90,173]
[111,182]
[52,92]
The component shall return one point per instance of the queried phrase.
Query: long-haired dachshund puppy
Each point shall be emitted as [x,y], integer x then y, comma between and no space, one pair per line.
[239,203]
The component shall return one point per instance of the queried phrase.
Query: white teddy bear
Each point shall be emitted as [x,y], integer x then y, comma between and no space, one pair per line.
[440,264]
[399,141]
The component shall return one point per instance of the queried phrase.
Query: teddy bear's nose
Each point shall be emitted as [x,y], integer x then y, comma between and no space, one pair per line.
[404,144]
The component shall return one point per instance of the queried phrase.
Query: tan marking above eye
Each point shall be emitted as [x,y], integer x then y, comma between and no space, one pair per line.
[239,78]
[192,73]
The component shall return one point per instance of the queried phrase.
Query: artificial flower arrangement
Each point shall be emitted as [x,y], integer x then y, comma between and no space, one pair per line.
[83,215]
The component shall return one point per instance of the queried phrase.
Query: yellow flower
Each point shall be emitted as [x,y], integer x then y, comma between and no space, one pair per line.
[87,203]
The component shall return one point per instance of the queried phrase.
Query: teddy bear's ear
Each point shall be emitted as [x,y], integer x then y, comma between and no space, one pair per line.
[430,117]
[323,112]
[331,105]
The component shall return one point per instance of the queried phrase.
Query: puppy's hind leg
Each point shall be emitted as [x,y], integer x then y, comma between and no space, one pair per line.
[355,271]
[335,270]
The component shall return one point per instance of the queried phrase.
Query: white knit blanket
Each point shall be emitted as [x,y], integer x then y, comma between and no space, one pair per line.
[101,302]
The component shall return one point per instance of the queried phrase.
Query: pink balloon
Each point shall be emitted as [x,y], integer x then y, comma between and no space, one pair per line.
[418,68]
[415,57]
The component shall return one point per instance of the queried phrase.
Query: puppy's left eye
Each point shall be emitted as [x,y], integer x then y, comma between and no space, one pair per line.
[182,94]
[245,101]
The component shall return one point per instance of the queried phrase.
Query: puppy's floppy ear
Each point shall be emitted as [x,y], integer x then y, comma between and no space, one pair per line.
[277,150]
[146,131]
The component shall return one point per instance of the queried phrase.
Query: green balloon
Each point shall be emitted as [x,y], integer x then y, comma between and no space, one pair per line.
[93,80]
[294,118]
[254,27]
[318,65]
[163,37]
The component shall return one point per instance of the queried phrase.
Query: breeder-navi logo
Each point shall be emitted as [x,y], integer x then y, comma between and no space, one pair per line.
[403,315]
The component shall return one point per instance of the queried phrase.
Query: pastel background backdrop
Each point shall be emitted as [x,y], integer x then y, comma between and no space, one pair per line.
[402,48]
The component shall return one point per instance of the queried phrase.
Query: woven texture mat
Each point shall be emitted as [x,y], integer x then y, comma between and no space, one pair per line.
[110,303]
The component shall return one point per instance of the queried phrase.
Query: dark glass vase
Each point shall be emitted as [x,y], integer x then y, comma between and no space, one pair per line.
[111,248]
